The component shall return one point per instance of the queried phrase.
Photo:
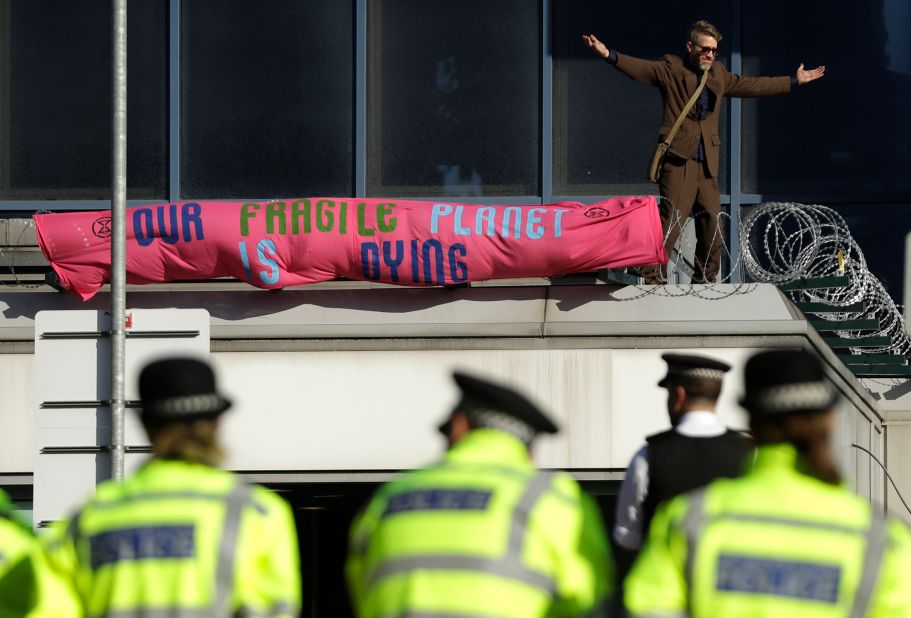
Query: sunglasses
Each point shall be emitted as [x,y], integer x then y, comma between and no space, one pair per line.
[705,51]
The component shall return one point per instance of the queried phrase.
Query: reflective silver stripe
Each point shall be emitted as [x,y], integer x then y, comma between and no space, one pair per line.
[507,568]
[522,511]
[693,523]
[408,614]
[224,576]
[873,556]
[158,612]
[279,609]
[875,535]
[507,471]
[786,521]
[484,468]
[509,565]
[168,495]
[73,530]
[661,615]
[601,610]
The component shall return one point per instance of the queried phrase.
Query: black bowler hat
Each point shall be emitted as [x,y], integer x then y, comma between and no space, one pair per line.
[494,406]
[786,382]
[180,389]
[692,366]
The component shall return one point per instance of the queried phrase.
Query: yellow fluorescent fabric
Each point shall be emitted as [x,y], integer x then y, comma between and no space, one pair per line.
[773,543]
[180,536]
[482,533]
[28,587]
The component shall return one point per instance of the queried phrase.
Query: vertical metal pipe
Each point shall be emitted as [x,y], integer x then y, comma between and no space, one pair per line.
[118,238]
[547,105]
[360,99]
[174,101]
[734,162]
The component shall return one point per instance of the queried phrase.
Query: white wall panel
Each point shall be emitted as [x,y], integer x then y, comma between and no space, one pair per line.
[379,410]
[18,424]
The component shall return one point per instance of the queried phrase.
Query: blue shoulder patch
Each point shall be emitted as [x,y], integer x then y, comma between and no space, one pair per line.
[438,500]
[147,542]
[787,578]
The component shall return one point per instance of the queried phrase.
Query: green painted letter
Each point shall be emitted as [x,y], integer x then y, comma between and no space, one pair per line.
[245,215]
[325,217]
[362,229]
[275,210]
[300,208]
[383,211]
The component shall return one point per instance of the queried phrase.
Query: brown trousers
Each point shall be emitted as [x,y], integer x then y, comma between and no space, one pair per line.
[686,189]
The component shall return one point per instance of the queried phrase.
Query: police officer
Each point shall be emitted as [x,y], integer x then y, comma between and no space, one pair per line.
[28,587]
[482,533]
[784,540]
[182,537]
[696,450]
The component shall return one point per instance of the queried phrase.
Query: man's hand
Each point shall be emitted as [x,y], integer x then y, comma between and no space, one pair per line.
[597,46]
[804,76]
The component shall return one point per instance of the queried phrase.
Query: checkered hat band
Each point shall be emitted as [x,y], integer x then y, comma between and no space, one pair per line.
[700,373]
[492,419]
[189,404]
[798,396]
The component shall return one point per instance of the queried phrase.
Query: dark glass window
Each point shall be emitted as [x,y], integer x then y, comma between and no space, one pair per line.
[847,133]
[605,124]
[55,99]
[266,98]
[453,98]
[880,230]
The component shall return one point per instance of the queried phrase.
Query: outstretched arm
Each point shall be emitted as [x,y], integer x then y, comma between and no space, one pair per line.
[804,76]
[645,71]
[597,46]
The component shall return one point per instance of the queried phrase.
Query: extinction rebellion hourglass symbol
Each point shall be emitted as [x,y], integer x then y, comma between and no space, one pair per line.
[102,227]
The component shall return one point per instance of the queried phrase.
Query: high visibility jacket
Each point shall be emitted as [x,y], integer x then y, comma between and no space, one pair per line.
[775,542]
[180,539]
[483,533]
[28,586]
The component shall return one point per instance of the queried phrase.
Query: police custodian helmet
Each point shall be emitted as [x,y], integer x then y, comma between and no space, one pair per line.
[779,382]
[180,388]
[692,366]
[494,406]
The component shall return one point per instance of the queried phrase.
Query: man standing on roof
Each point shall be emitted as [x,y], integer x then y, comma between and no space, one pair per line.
[688,178]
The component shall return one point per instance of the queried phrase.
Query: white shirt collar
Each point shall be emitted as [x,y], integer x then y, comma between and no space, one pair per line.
[700,424]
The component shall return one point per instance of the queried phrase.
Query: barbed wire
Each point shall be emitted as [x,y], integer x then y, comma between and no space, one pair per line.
[783,241]
[676,279]
[8,259]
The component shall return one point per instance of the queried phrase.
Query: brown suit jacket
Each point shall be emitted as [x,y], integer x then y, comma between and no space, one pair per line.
[678,82]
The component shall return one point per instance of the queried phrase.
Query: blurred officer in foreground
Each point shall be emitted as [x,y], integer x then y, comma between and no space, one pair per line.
[482,533]
[28,587]
[786,539]
[697,449]
[181,537]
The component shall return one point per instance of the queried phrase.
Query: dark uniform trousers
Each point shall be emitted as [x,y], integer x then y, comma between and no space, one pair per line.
[686,188]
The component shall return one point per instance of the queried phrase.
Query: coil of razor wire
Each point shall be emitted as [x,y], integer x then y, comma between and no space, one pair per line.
[9,257]
[783,242]
[680,270]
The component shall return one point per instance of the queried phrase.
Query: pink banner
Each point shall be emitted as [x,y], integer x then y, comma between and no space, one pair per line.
[291,242]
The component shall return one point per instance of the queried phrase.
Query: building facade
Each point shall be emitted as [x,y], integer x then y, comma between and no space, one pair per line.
[494,102]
